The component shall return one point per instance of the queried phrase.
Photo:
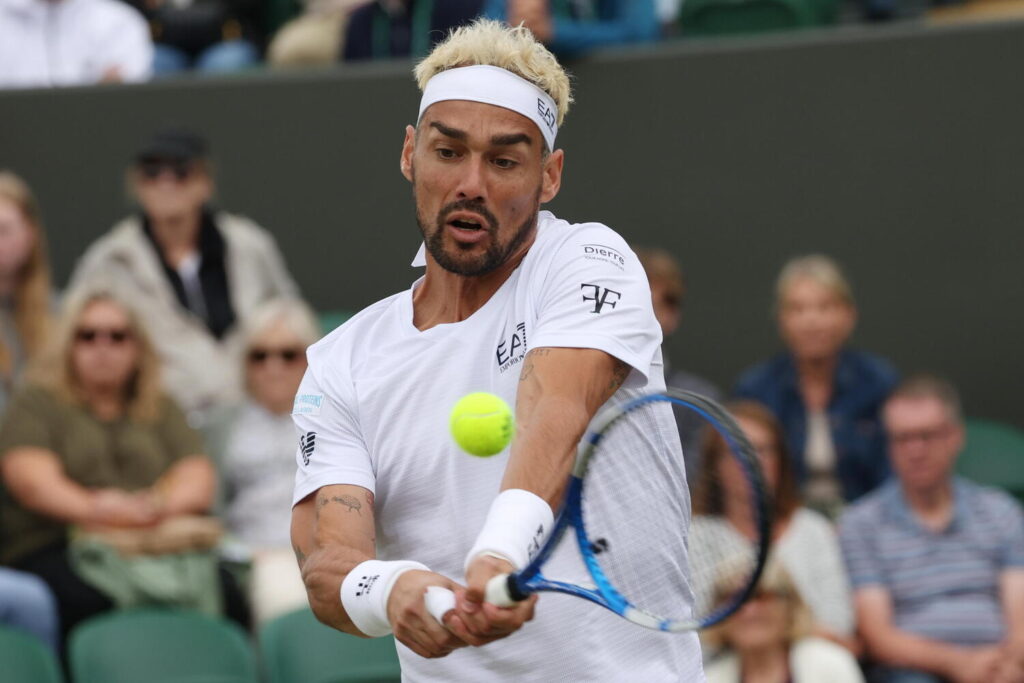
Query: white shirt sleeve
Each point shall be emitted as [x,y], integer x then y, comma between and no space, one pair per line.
[595,295]
[331,449]
[123,42]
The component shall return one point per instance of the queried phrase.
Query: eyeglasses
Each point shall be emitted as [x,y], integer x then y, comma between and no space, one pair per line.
[259,356]
[926,436]
[152,169]
[91,335]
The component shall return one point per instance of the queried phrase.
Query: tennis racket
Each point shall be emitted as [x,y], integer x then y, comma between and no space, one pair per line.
[628,508]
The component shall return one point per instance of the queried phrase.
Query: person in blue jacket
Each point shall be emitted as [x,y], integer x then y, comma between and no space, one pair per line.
[827,395]
[571,27]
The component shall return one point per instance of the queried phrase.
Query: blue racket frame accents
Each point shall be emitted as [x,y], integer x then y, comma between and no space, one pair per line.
[531,579]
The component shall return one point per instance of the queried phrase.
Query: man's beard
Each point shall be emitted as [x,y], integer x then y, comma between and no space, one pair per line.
[496,253]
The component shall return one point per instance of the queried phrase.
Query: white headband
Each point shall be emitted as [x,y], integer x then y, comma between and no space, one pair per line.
[497,86]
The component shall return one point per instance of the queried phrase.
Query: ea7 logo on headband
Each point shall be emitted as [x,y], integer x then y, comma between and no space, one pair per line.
[546,114]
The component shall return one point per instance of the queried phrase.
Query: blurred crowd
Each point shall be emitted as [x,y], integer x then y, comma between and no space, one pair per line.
[147,451]
[83,42]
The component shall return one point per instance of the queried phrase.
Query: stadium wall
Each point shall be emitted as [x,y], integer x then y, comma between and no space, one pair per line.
[897,150]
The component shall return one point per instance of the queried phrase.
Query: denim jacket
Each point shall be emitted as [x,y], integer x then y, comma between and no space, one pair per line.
[862,383]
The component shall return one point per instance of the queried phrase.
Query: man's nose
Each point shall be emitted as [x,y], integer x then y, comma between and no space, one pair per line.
[471,182]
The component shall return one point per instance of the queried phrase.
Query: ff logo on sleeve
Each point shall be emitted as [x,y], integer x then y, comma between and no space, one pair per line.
[601,296]
[307,442]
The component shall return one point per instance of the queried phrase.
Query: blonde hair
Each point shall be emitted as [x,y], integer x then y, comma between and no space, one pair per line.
[296,316]
[661,266]
[55,368]
[775,580]
[32,292]
[819,268]
[491,43]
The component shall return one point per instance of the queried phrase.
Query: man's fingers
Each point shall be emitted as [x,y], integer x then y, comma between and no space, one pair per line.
[458,628]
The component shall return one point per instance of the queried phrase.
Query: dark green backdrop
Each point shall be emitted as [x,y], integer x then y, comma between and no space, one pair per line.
[896,150]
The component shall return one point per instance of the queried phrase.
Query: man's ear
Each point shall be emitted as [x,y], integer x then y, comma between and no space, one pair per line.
[551,178]
[405,163]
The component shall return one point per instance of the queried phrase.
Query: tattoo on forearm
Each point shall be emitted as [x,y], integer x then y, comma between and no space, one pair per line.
[348,501]
[619,375]
[528,363]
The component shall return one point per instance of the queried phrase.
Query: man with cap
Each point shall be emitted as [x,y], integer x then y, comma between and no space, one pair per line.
[385,505]
[194,273]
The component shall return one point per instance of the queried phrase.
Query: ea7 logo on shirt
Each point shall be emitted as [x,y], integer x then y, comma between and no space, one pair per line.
[599,252]
[601,296]
[307,442]
[511,351]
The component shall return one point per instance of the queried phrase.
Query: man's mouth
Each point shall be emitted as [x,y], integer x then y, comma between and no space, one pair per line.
[465,224]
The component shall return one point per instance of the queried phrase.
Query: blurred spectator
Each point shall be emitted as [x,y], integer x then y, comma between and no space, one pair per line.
[571,27]
[27,604]
[93,442]
[386,29]
[210,36]
[25,294]
[193,272]
[826,395]
[72,42]
[804,542]
[668,290]
[769,639]
[313,38]
[937,562]
[257,458]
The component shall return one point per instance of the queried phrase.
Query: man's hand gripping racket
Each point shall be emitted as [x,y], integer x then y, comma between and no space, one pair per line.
[628,505]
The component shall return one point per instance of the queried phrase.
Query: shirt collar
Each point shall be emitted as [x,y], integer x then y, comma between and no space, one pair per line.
[897,507]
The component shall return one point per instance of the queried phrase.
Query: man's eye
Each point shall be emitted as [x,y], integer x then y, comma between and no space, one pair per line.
[445,153]
[505,163]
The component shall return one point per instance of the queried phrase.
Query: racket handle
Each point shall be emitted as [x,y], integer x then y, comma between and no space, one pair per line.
[439,602]
[498,592]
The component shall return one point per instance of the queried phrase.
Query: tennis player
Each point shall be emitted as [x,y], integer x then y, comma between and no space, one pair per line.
[554,317]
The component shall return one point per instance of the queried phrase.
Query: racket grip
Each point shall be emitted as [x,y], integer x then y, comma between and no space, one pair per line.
[498,592]
[439,602]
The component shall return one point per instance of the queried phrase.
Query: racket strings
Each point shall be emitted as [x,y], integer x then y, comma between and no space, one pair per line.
[636,508]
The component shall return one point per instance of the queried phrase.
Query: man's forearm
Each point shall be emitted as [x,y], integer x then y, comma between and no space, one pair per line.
[322,572]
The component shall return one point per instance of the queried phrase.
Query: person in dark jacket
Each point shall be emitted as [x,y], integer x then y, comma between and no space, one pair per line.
[389,29]
[826,395]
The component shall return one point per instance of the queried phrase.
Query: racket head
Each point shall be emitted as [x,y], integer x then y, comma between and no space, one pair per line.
[649,560]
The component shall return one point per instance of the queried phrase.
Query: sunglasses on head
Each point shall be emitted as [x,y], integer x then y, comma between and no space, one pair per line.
[152,169]
[91,335]
[289,356]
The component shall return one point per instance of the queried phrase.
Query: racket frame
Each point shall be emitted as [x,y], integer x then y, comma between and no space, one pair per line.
[530,579]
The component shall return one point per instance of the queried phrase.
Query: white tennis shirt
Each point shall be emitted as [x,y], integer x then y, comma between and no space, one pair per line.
[373,411]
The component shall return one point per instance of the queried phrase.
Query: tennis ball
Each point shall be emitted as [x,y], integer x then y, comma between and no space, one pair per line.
[481,424]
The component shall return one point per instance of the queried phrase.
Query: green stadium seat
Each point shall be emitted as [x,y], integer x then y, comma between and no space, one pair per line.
[720,17]
[298,648]
[993,455]
[160,647]
[332,319]
[23,659]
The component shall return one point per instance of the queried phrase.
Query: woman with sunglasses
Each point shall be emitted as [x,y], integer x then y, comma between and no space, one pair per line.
[93,442]
[257,448]
[804,541]
[769,639]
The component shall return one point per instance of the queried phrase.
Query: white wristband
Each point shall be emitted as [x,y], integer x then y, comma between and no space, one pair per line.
[365,591]
[516,526]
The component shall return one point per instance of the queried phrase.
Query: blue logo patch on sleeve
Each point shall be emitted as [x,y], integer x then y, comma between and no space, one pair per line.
[307,404]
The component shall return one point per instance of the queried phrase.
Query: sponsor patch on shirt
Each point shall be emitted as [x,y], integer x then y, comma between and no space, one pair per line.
[307,404]
[601,252]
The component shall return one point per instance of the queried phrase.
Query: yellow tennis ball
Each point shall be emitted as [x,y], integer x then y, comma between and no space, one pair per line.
[481,424]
